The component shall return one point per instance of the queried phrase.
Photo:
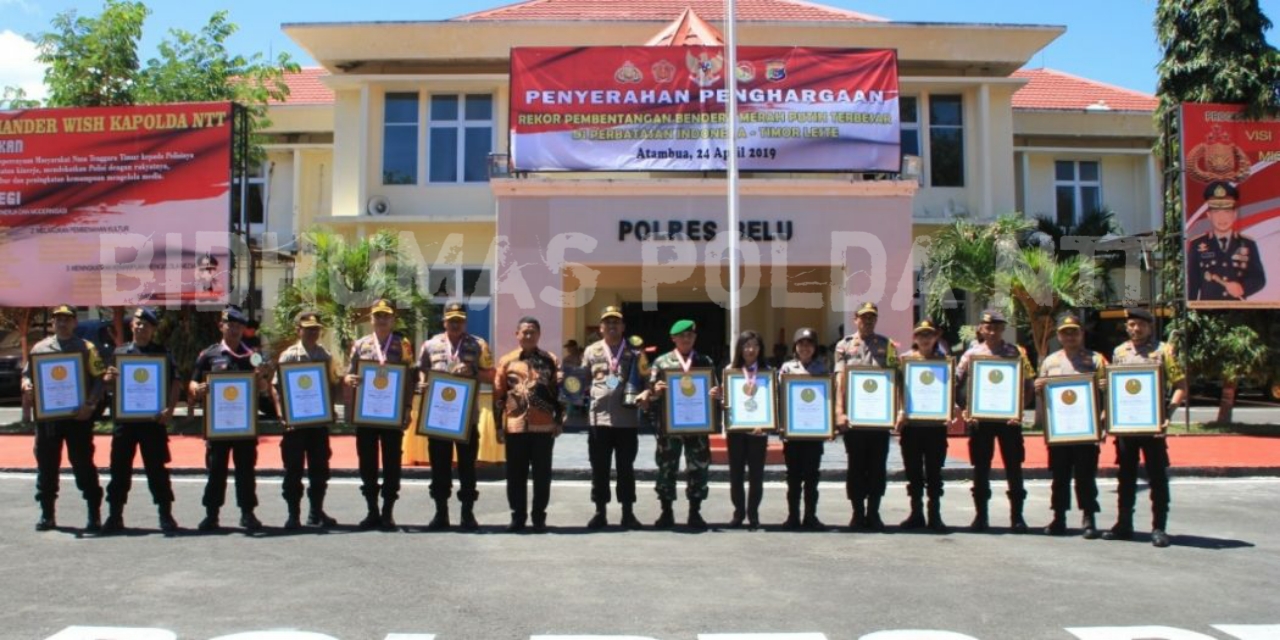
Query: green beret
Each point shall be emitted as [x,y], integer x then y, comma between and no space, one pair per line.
[682,326]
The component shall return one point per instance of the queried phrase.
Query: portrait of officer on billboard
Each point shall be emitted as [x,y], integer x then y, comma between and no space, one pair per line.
[1223,264]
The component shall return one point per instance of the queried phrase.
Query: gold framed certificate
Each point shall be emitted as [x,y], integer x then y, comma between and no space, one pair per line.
[58,381]
[1135,399]
[1071,410]
[687,404]
[380,396]
[447,405]
[995,388]
[305,395]
[749,403]
[870,397]
[231,406]
[142,388]
[928,389]
[808,407]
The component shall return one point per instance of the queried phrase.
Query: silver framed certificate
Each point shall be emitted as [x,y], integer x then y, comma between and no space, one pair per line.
[928,389]
[870,397]
[447,405]
[1135,399]
[380,396]
[58,381]
[231,406]
[687,404]
[305,395]
[808,407]
[142,387]
[1071,410]
[995,388]
[749,404]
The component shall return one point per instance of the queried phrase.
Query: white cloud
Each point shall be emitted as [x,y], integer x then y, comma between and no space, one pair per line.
[18,66]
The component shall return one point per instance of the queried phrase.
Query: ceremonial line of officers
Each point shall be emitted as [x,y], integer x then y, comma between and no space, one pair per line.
[623,389]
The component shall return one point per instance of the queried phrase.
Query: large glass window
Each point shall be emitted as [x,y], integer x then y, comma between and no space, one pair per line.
[909,117]
[460,138]
[255,200]
[400,139]
[946,141]
[1078,190]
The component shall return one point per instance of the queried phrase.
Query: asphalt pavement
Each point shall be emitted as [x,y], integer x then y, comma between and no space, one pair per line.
[1216,582]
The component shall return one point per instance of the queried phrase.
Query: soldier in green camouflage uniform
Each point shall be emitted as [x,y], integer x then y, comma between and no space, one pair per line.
[868,450]
[697,449]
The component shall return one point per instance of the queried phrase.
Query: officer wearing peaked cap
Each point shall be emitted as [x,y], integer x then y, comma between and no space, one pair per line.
[619,369]
[924,443]
[803,457]
[868,450]
[1223,264]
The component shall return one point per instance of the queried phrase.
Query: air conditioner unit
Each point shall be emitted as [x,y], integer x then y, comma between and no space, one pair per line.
[378,206]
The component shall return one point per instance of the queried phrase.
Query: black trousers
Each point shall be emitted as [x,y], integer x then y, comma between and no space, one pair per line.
[441,451]
[152,440]
[604,445]
[306,448]
[1155,451]
[368,442]
[804,466]
[924,452]
[982,448]
[1081,462]
[217,453]
[525,451]
[746,463]
[868,452]
[78,437]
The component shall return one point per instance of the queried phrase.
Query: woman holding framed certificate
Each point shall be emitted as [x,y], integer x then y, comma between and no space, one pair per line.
[804,457]
[750,413]
[928,390]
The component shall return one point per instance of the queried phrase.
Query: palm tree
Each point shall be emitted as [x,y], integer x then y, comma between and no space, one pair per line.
[1098,224]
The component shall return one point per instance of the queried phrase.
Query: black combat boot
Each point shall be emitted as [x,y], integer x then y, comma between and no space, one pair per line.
[667,519]
[167,523]
[1159,521]
[294,521]
[1058,526]
[94,522]
[859,519]
[695,516]
[1090,525]
[249,521]
[979,523]
[1123,528]
[793,511]
[372,519]
[874,523]
[115,519]
[441,520]
[1016,523]
[48,520]
[935,522]
[811,521]
[753,519]
[916,519]
[629,519]
[468,519]
[600,520]
[387,520]
[210,522]
[316,517]
[517,522]
[539,521]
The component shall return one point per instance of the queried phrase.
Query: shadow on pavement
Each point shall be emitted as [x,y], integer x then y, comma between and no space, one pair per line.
[1212,544]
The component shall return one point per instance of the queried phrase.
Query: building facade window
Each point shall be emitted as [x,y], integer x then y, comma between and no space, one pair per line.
[400,139]
[909,117]
[254,201]
[1078,190]
[946,141]
[470,286]
[460,138]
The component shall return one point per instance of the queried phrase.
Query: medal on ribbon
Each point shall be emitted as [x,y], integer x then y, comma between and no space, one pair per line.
[615,356]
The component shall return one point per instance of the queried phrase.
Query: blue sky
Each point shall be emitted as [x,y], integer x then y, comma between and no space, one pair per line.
[1107,40]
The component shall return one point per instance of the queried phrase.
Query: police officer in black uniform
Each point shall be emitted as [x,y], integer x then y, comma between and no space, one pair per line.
[76,431]
[228,355]
[1223,264]
[151,437]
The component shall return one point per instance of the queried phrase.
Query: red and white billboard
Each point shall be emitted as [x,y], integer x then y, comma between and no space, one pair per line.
[115,205]
[1233,253]
[663,109]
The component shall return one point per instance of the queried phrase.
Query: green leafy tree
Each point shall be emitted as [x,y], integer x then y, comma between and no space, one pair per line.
[1097,224]
[1213,51]
[14,98]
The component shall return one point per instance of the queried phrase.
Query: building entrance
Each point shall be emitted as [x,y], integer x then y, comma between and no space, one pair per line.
[655,326]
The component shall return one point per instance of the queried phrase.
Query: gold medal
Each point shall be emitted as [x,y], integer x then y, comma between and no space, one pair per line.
[686,385]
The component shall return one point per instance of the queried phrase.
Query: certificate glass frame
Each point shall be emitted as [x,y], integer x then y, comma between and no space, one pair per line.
[981,370]
[928,372]
[219,424]
[1138,386]
[700,379]
[396,375]
[1075,395]
[739,416]
[140,369]
[823,389]
[880,382]
[575,386]
[445,388]
[52,375]
[296,379]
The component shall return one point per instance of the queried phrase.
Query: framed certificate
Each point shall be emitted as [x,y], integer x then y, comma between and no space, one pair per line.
[58,379]
[1135,399]
[231,407]
[687,403]
[808,407]
[574,387]
[749,405]
[142,388]
[380,396]
[870,397]
[447,405]
[1071,410]
[929,388]
[995,388]
[305,395]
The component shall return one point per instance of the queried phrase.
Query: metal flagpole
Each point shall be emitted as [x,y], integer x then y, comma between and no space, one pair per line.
[731,105]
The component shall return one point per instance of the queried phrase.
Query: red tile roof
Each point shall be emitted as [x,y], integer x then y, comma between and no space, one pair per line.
[665,10]
[1050,90]
[305,87]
